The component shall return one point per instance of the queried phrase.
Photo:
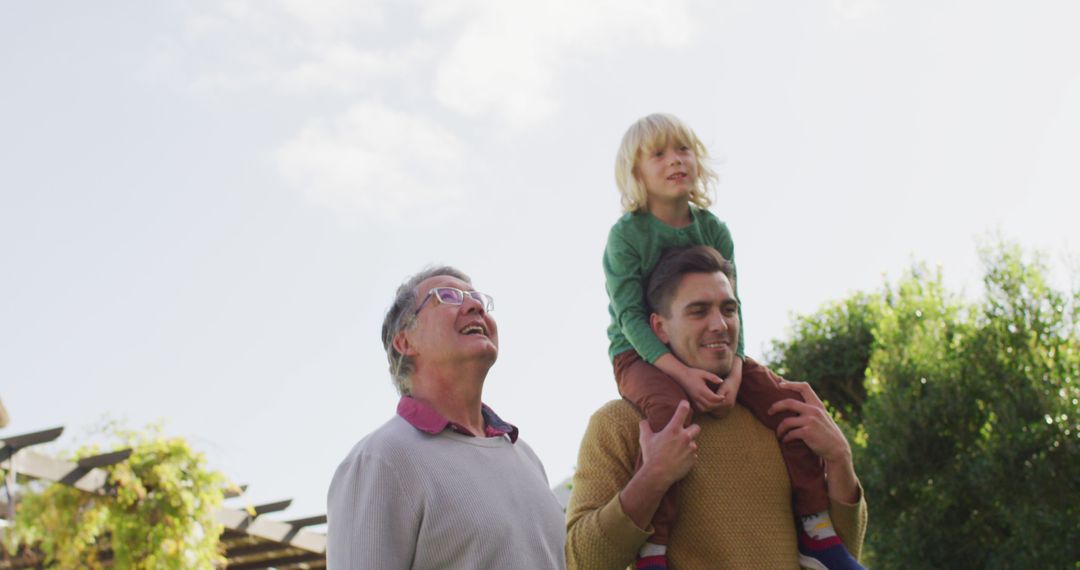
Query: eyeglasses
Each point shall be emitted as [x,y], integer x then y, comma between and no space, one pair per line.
[453,296]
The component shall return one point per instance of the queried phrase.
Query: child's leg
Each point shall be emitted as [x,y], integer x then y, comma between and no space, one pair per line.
[759,390]
[819,546]
[656,395]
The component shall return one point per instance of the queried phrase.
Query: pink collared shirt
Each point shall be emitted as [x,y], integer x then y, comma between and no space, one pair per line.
[423,417]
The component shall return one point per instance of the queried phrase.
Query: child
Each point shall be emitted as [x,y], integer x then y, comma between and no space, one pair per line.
[665,184]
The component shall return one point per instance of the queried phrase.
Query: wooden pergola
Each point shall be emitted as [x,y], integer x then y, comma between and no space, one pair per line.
[250,542]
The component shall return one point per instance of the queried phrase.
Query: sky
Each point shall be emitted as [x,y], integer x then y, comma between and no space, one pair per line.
[206,206]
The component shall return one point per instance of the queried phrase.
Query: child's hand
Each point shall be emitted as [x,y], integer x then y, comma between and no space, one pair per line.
[729,391]
[699,388]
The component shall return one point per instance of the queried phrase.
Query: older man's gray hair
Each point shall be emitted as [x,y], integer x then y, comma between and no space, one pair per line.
[400,317]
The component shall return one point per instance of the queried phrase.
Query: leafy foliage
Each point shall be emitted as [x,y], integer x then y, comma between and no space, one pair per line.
[971,456]
[831,349]
[159,515]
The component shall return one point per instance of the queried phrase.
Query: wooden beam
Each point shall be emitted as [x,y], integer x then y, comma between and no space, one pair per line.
[105,459]
[32,464]
[276,562]
[14,443]
[277,531]
[252,549]
[271,507]
[86,464]
[308,521]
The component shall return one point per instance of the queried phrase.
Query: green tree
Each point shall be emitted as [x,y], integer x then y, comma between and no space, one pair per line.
[963,415]
[831,349]
[159,513]
[973,452]
[911,419]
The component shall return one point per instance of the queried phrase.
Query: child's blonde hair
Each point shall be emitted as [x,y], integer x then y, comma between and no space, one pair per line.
[646,135]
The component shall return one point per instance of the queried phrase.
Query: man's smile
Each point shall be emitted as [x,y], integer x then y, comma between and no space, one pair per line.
[474,328]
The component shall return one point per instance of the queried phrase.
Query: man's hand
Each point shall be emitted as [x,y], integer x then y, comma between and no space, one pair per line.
[816,428]
[813,424]
[666,457]
[669,454]
[699,385]
[729,391]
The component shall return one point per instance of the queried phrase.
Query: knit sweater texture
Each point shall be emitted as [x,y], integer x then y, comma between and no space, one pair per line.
[734,506]
[403,498]
[633,248]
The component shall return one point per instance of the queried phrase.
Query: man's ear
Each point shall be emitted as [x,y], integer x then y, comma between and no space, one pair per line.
[657,324]
[402,344]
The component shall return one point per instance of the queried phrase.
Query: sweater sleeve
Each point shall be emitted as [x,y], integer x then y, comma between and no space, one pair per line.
[372,523]
[599,534]
[624,275]
[850,523]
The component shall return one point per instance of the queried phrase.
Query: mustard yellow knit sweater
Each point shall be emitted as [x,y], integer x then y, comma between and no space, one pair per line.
[734,506]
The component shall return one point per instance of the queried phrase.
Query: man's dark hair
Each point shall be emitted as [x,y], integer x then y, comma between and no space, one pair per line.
[676,262]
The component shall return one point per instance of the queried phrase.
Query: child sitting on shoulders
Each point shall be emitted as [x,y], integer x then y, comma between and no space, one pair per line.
[662,173]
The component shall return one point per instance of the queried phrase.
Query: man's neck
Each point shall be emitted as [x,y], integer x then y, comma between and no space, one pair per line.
[457,397]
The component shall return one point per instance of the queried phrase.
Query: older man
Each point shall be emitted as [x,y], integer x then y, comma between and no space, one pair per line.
[735,502]
[445,483]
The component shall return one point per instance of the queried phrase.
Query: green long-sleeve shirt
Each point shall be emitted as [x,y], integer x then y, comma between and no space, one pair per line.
[634,246]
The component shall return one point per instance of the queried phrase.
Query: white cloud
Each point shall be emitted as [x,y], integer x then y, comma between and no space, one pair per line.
[288,45]
[509,53]
[855,9]
[376,160]
[343,68]
[502,58]
[283,20]
[334,18]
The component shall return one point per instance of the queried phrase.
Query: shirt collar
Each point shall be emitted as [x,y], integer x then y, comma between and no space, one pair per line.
[425,418]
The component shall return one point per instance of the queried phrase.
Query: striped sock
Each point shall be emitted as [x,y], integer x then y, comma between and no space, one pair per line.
[651,557]
[819,546]
[818,526]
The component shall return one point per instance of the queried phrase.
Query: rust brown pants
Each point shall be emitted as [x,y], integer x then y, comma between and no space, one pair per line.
[657,395]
